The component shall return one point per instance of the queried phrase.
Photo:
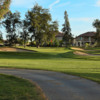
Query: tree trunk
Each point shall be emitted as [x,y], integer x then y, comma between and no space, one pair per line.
[38,45]
[24,44]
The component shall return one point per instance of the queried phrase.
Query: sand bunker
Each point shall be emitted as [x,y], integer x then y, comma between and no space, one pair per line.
[8,49]
[81,53]
[80,49]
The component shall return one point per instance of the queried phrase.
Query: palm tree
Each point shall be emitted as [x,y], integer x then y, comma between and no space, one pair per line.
[96,24]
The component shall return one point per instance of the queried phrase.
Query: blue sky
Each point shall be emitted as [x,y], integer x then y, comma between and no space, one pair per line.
[81,13]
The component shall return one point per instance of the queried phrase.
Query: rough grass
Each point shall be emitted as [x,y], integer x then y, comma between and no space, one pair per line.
[13,88]
[54,59]
[93,48]
[95,52]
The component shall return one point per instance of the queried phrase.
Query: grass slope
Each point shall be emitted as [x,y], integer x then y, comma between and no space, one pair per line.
[54,59]
[94,51]
[13,88]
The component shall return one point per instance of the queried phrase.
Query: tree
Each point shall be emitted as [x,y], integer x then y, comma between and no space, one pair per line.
[1,37]
[67,31]
[4,7]
[24,35]
[56,43]
[52,31]
[96,24]
[11,24]
[39,20]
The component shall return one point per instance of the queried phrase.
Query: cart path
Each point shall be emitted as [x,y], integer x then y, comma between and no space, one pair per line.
[59,86]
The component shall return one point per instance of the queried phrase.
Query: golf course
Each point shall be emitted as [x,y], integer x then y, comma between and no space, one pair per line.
[53,59]
[49,50]
[57,59]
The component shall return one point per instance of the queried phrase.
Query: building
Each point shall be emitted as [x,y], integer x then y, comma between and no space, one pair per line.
[59,36]
[84,38]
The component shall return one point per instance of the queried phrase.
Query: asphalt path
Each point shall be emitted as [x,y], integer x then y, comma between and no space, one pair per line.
[59,86]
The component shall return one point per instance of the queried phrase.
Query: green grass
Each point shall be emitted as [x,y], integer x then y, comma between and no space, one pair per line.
[95,52]
[93,48]
[47,49]
[54,59]
[13,88]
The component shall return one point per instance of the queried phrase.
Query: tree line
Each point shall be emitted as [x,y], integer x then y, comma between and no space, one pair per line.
[37,26]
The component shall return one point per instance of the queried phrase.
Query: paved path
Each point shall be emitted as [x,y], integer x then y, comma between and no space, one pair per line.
[58,86]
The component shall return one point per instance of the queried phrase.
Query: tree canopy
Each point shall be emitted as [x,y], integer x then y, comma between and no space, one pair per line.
[96,24]
[4,7]
[11,24]
[40,24]
[24,35]
[67,31]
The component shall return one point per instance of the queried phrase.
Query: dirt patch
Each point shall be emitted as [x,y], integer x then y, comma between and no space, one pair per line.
[80,49]
[81,53]
[8,49]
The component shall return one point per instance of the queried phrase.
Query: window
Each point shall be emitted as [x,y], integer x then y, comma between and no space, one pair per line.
[81,38]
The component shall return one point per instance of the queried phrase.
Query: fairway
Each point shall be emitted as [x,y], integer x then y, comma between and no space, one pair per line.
[54,59]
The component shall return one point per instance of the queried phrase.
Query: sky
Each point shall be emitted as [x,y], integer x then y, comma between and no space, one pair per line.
[81,13]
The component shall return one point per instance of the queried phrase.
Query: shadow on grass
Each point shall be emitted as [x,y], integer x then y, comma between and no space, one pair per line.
[91,76]
[39,55]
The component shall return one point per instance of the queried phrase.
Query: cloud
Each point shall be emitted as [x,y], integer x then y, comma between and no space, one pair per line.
[82,19]
[53,4]
[63,4]
[98,3]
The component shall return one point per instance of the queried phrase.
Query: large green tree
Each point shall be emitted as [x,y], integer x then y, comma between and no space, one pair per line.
[67,31]
[39,21]
[52,31]
[96,24]
[4,7]
[11,24]
[24,35]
